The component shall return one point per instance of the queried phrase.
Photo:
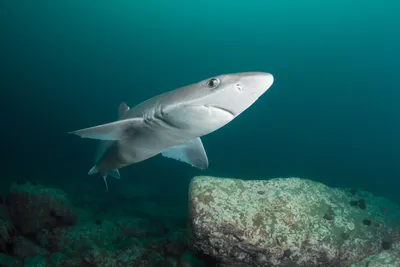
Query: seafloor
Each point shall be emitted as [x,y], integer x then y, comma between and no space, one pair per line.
[285,222]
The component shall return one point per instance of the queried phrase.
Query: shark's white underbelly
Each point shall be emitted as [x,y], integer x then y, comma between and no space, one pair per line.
[153,138]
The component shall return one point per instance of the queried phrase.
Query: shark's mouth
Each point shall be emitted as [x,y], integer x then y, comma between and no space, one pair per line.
[221,109]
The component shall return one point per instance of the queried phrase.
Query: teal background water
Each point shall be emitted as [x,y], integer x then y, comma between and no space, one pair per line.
[332,114]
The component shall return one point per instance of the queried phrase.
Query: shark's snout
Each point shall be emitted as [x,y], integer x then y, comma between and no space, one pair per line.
[256,83]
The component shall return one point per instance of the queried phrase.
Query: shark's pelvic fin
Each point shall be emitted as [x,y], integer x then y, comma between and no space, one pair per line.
[93,170]
[105,181]
[102,149]
[113,173]
[116,130]
[191,152]
[122,109]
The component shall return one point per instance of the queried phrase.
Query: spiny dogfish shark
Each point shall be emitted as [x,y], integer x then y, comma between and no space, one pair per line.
[173,122]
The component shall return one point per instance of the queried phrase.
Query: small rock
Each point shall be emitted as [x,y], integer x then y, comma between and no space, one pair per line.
[7,232]
[23,248]
[60,259]
[37,261]
[189,260]
[361,204]
[367,222]
[354,203]
[386,258]
[121,255]
[138,227]
[8,261]
[386,245]
[81,237]
[164,263]
[33,208]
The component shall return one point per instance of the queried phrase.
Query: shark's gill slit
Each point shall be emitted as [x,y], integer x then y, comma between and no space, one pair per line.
[165,122]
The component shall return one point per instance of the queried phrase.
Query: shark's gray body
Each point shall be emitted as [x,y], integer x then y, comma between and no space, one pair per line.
[172,123]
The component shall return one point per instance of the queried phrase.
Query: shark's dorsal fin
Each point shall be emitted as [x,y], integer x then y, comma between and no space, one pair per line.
[191,152]
[105,145]
[122,109]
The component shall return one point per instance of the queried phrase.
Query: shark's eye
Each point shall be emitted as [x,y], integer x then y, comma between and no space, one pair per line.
[213,83]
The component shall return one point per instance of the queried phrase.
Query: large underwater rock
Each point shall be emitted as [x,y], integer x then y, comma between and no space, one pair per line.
[34,207]
[289,222]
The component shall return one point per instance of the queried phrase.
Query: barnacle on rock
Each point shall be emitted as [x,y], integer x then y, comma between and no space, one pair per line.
[354,203]
[362,204]
[351,226]
[386,245]
[367,222]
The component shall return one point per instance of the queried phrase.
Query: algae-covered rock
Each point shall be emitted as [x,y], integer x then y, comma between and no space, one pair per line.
[126,253]
[34,207]
[59,259]
[23,248]
[37,261]
[188,260]
[81,237]
[286,222]
[139,227]
[385,258]
[7,231]
[8,261]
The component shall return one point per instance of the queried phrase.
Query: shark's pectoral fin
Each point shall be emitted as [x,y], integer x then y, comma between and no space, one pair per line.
[93,170]
[191,152]
[117,130]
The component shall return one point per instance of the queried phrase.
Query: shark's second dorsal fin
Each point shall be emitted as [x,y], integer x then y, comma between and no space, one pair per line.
[122,109]
[191,152]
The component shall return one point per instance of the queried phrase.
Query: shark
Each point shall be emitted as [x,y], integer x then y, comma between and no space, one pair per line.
[172,123]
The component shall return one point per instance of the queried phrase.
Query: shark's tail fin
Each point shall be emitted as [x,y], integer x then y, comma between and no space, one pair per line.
[113,173]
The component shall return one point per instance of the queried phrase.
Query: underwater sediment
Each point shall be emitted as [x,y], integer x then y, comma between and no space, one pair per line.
[232,222]
[41,226]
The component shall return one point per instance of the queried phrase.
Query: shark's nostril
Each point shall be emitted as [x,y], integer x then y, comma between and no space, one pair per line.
[239,87]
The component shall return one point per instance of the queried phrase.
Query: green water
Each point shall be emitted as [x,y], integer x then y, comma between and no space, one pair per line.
[332,114]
